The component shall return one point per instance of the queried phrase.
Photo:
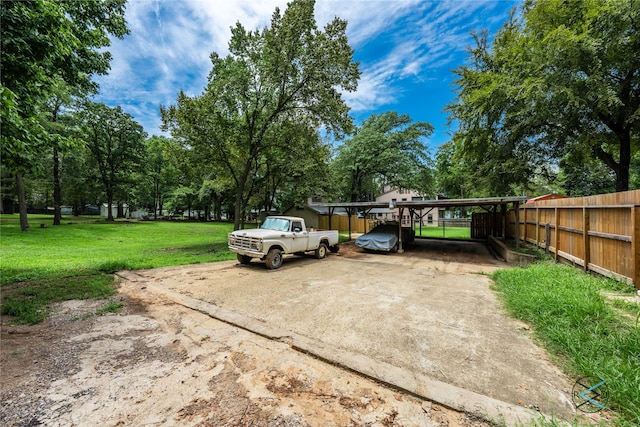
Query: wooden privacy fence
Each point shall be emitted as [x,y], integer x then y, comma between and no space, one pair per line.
[341,222]
[599,233]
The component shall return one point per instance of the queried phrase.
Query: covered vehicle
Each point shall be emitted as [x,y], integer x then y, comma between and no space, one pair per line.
[384,237]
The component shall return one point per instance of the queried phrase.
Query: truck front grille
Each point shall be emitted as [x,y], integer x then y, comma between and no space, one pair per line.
[243,242]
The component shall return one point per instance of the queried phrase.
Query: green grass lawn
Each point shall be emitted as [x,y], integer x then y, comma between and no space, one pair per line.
[589,334]
[445,232]
[76,259]
[82,246]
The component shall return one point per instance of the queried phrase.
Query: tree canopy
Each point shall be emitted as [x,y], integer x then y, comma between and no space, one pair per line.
[44,43]
[389,149]
[116,143]
[561,76]
[288,75]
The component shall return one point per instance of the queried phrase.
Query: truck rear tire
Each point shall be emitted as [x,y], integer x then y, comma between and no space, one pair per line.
[244,259]
[274,258]
[321,252]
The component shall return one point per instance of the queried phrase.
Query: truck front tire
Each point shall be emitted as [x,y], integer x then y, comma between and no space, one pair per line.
[244,259]
[274,258]
[321,252]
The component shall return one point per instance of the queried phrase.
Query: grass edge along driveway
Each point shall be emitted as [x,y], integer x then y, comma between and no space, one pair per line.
[587,333]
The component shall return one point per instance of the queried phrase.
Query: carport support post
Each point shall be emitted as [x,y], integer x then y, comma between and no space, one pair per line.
[331,209]
[494,220]
[400,249]
[365,214]
[503,220]
[364,219]
[517,227]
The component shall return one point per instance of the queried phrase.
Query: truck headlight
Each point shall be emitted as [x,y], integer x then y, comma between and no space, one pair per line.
[259,246]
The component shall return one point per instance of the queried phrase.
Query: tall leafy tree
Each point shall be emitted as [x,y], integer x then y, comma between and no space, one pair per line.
[452,174]
[116,142]
[291,71]
[80,180]
[562,76]
[192,172]
[582,175]
[294,168]
[58,123]
[159,170]
[44,41]
[387,148]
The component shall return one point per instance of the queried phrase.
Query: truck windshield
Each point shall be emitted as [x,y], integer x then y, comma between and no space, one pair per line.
[277,224]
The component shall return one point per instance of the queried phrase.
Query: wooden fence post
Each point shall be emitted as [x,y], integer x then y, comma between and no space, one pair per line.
[524,232]
[547,237]
[635,245]
[518,224]
[556,242]
[538,227]
[585,237]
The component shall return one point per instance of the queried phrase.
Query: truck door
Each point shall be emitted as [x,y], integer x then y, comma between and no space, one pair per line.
[300,239]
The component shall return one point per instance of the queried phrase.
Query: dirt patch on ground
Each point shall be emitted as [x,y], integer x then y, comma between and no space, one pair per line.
[158,363]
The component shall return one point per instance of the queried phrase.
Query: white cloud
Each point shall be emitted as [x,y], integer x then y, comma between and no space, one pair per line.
[433,36]
[170,43]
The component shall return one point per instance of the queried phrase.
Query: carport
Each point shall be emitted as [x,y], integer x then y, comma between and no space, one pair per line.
[493,223]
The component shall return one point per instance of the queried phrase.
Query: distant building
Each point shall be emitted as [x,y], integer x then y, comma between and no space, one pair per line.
[104,210]
[137,214]
[429,217]
[312,213]
[551,196]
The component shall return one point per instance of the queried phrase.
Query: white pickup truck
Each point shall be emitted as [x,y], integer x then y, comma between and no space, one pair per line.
[279,235]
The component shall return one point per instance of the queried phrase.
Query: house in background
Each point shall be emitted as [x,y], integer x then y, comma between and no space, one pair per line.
[137,214]
[104,210]
[389,194]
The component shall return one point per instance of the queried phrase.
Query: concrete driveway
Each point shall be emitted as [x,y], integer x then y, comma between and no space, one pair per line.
[430,311]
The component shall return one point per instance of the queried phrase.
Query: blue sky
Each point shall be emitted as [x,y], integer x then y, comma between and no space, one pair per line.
[406,49]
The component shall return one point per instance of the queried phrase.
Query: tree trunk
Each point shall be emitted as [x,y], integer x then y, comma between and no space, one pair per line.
[237,209]
[207,207]
[217,209]
[57,194]
[22,201]
[156,197]
[241,203]
[622,174]
[109,203]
